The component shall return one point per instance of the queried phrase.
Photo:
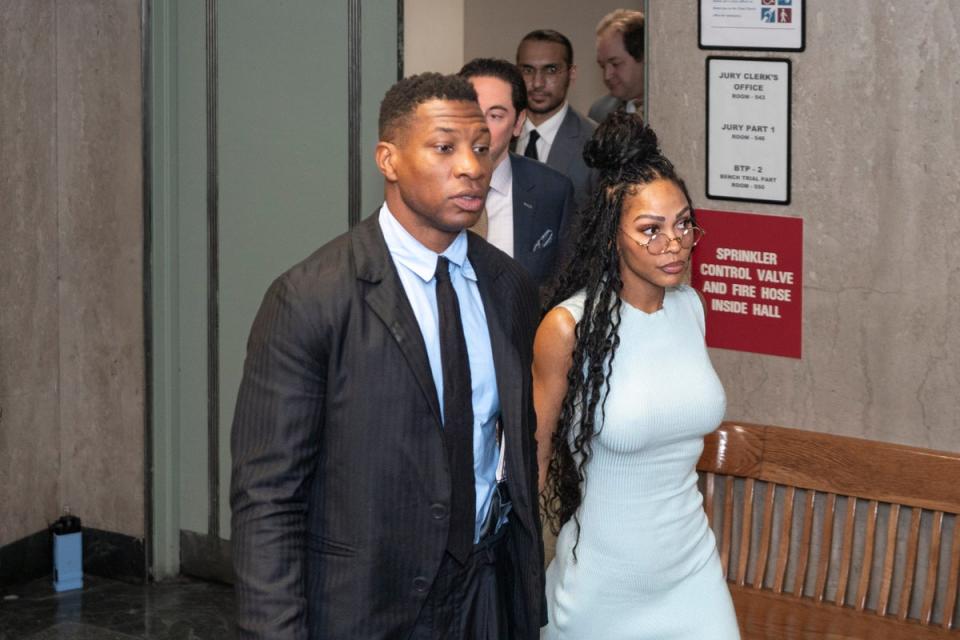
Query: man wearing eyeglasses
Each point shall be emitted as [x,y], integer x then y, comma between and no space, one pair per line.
[554,132]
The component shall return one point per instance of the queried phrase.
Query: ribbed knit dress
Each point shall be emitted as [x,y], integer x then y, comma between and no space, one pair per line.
[646,564]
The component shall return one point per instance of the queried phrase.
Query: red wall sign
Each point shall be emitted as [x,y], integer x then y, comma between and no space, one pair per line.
[749,268]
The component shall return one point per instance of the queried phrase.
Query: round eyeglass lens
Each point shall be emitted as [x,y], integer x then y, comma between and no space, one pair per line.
[688,238]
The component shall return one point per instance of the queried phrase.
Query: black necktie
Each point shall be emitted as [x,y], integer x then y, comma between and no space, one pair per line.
[531,150]
[457,416]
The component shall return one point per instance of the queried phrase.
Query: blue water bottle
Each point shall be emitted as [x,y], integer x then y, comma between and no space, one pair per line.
[67,552]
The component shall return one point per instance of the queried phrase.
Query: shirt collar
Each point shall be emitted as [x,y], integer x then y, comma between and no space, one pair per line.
[548,128]
[408,251]
[502,176]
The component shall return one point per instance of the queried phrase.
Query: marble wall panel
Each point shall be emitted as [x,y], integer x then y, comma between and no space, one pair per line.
[876,138]
[29,464]
[101,257]
[29,358]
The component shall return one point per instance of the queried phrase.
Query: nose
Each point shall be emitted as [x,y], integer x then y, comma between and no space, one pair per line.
[670,248]
[539,78]
[471,165]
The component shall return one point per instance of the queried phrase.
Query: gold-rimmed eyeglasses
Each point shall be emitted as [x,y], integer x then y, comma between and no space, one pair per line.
[659,243]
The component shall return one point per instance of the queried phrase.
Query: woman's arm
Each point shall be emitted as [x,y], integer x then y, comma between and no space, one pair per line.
[552,358]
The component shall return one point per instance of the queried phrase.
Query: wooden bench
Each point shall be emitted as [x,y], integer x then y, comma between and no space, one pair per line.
[824,536]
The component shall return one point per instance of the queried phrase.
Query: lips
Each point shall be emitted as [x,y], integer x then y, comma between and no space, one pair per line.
[472,202]
[674,268]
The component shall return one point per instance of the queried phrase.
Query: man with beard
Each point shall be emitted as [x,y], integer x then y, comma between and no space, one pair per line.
[554,132]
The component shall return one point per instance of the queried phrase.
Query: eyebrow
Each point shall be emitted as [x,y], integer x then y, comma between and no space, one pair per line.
[483,128]
[662,218]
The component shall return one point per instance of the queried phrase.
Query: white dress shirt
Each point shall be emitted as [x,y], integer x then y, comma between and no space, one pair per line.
[500,207]
[548,132]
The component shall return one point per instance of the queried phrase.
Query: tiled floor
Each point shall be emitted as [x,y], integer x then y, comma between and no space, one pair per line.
[107,610]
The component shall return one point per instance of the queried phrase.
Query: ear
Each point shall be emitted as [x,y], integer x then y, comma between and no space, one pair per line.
[518,126]
[386,155]
[573,73]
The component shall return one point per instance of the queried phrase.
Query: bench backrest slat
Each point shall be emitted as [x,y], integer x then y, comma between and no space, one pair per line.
[746,530]
[913,545]
[727,537]
[783,554]
[886,580]
[953,578]
[846,556]
[805,538]
[826,542]
[933,561]
[765,534]
[867,566]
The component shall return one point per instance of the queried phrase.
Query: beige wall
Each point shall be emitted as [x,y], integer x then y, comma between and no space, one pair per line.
[441,35]
[71,327]
[876,142]
[432,36]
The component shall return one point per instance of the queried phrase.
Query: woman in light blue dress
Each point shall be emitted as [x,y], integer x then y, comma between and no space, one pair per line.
[624,393]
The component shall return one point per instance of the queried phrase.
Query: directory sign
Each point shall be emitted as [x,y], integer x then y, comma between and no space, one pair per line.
[748,129]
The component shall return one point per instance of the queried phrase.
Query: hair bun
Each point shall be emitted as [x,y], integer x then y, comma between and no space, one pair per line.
[621,140]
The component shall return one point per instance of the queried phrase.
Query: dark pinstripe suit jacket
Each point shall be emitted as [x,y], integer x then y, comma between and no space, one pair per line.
[340,491]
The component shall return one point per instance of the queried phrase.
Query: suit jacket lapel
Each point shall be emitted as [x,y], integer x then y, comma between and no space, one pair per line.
[506,362]
[564,144]
[386,297]
[524,206]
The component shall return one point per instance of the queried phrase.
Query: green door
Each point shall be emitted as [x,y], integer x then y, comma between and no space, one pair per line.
[263,123]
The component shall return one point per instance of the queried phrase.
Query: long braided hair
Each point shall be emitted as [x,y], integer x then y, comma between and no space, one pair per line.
[627,156]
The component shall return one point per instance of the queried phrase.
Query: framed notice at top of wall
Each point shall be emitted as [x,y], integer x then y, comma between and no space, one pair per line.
[762,25]
[748,129]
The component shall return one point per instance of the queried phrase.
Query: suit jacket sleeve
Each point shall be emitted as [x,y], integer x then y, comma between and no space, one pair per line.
[569,227]
[527,318]
[274,444]
[530,320]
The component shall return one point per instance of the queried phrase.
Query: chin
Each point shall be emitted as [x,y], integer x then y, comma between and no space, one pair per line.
[668,281]
[456,222]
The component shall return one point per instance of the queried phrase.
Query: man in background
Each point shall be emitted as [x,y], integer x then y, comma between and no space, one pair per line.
[553,132]
[620,56]
[530,206]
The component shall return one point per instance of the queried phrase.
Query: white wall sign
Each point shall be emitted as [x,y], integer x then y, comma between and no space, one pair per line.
[771,25]
[748,129]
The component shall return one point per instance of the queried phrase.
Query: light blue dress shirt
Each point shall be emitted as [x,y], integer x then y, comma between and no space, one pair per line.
[416,265]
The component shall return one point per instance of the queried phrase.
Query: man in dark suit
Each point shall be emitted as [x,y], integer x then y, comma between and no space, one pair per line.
[620,56]
[554,132]
[384,466]
[530,207]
